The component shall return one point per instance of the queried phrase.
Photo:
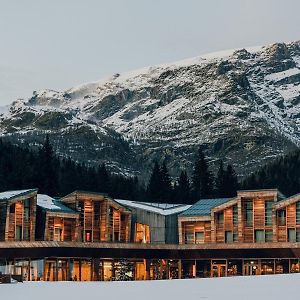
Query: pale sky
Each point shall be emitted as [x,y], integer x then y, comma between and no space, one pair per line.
[58,44]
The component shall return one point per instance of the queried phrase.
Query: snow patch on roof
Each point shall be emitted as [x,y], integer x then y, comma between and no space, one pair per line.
[159,208]
[11,194]
[49,203]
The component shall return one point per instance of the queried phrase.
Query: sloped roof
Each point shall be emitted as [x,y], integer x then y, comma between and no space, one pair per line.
[159,208]
[13,194]
[203,207]
[50,204]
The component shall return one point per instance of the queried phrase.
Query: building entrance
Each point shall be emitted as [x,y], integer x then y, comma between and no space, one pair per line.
[251,268]
[218,269]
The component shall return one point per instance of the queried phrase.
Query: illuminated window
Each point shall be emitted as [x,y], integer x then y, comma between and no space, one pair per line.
[142,233]
[57,234]
[88,235]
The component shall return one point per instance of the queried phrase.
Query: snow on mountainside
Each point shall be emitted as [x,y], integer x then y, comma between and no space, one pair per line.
[242,105]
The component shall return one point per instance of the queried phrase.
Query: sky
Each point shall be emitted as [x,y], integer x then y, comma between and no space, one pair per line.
[59,44]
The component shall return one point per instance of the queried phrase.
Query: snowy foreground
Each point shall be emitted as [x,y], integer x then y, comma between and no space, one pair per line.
[260,287]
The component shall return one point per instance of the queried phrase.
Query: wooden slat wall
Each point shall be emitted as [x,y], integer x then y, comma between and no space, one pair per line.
[199,226]
[291,216]
[103,221]
[96,225]
[50,229]
[259,214]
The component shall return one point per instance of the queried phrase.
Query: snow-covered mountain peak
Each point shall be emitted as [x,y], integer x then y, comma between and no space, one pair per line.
[241,104]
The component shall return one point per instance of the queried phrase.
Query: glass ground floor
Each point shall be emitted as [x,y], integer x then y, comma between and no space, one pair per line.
[95,269]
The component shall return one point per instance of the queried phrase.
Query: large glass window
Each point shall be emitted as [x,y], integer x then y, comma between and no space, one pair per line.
[36,270]
[268,213]
[259,236]
[249,213]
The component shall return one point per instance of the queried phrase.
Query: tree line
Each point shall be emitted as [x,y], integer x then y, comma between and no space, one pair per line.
[22,168]
[202,184]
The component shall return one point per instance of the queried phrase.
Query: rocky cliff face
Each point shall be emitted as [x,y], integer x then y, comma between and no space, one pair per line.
[242,105]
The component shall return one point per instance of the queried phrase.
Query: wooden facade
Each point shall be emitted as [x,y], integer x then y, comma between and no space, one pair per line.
[101,219]
[252,217]
[18,215]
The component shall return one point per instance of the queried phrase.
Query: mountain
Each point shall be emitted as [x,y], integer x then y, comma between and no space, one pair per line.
[241,105]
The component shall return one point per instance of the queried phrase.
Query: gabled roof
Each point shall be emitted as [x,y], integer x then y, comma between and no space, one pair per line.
[159,208]
[203,207]
[50,204]
[280,196]
[8,195]
[86,192]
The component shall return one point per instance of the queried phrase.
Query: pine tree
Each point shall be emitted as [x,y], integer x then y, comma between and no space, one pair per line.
[220,181]
[183,192]
[231,184]
[202,178]
[165,183]
[154,185]
[47,169]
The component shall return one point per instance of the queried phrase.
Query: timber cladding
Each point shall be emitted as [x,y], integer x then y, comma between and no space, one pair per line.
[100,217]
[18,217]
[258,216]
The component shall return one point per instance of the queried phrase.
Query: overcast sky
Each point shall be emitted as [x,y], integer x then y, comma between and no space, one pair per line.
[58,44]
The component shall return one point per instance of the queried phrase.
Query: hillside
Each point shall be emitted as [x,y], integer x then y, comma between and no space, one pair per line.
[242,105]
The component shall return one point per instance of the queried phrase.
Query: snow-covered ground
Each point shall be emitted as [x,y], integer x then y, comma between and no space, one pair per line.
[256,287]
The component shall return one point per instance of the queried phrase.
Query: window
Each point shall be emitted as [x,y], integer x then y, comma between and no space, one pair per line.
[220,218]
[18,232]
[298,212]
[281,217]
[291,235]
[249,213]
[259,236]
[199,237]
[269,235]
[142,234]
[57,234]
[88,235]
[268,213]
[189,238]
[298,235]
[235,237]
[228,237]
[235,214]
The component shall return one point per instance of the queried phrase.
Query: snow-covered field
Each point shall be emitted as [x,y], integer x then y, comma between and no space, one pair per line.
[258,288]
